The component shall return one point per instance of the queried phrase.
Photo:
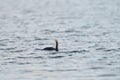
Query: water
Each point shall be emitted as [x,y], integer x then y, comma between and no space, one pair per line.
[88,32]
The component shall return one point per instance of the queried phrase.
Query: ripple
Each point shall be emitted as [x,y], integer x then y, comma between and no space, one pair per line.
[116,50]
[28,57]
[38,57]
[18,50]
[100,49]
[37,38]
[11,48]
[80,51]
[26,71]
[9,62]
[12,62]
[107,75]
[56,56]
[53,53]
[23,63]
[21,57]
[38,49]
[4,40]
[2,44]
[9,58]
[61,70]
[109,50]
[97,68]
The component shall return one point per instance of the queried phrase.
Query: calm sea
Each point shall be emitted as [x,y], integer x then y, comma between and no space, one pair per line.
[88,32]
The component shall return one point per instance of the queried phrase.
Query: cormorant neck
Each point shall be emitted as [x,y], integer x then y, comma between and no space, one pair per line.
[56,45]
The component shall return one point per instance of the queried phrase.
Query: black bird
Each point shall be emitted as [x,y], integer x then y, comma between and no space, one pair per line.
[52,48]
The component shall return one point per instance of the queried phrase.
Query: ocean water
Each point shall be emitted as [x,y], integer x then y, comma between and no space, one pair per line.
[88,32]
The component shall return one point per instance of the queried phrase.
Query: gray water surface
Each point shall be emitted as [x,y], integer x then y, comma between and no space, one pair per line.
[88,32]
